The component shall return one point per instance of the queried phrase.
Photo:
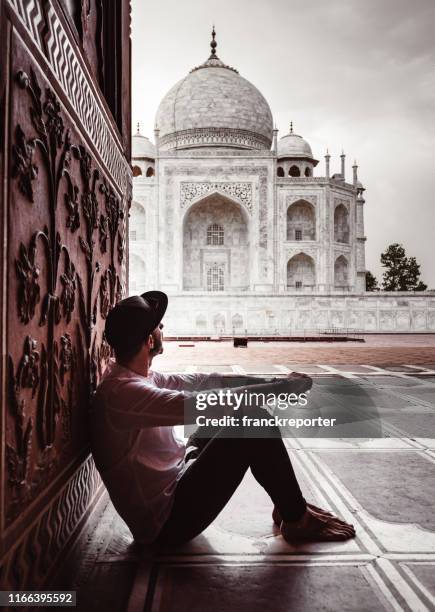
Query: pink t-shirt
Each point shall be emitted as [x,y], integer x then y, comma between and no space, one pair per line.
[134,444]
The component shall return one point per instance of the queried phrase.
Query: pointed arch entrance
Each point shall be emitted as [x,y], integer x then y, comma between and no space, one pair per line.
[216,247]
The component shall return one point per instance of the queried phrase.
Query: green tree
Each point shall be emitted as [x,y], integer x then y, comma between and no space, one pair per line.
[402,273]
[371,282]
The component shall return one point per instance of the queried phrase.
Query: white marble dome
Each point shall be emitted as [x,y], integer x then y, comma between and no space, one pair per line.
[293,146]
[213,106]
[142,147]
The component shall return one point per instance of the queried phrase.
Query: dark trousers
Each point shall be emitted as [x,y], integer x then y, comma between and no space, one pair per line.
[209,482]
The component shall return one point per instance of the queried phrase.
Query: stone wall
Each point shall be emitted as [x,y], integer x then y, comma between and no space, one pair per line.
[369,312]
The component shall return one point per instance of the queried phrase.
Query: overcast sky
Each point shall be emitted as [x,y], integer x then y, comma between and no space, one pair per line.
[351,74]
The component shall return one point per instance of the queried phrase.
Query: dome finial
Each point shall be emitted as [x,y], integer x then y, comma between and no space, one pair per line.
[291,127]
[213,44]
[138,129]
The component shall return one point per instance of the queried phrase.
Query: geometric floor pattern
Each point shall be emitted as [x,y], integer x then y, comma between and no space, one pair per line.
[384,486]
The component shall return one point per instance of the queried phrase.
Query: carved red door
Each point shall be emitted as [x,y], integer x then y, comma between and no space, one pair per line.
[65,128]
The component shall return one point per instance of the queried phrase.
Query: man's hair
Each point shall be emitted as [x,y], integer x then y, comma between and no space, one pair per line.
[127,353]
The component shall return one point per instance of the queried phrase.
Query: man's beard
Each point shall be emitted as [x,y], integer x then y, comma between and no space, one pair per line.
[157,348]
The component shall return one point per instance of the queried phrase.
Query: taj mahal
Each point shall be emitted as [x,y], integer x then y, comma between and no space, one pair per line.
[241,229]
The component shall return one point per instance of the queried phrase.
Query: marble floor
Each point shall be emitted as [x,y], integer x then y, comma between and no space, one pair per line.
[384,485]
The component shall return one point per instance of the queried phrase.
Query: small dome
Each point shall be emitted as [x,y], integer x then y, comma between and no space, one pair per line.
[294,146]
[142,147]
[213,106]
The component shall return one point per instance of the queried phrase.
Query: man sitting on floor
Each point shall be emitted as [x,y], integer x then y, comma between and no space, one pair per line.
[168,492]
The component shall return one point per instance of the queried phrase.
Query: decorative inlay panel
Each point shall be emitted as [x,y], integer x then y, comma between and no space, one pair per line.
[295,197]
[242,192]
[224,137]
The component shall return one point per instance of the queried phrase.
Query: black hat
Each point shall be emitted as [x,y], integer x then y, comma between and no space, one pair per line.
[132,320]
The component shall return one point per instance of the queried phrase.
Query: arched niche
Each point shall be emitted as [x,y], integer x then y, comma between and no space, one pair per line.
[301,272]
[219,323]
[341,224]
[216,238]
[237,321]
[301,221]
[341,273]
[137,222]
[294,171]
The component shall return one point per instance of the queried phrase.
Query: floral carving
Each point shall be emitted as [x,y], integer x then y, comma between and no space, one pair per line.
[121,248]
[18,457]
[119,290]
[72,206]
[53,122]
[65,357]
[23,167]
[27,272]
[53,372]
[114,213]
[68,295]
[28,368]
[103,233]
[105,294]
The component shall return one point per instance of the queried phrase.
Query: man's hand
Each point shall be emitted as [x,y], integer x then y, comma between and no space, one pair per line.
[299,383]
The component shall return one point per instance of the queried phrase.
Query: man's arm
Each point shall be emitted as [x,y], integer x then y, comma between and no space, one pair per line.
[201,380]
[133,405]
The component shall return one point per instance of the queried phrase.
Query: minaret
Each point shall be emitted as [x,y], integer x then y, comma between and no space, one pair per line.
[360,235]
[156,137]
[343,168]
[355,173]
[275,140]
[327,159]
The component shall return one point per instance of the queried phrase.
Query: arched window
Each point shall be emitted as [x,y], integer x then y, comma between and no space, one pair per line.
[341,273]
[137,171]
[237,321]
[301,272]
[301,221]
[215,234]
[294,171]
[150,172]
[308,171]
[341,224]
[280,171]
[137,224]
[215,278]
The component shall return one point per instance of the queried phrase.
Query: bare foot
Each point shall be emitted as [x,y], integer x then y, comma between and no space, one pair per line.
[316,528]
[277,519]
